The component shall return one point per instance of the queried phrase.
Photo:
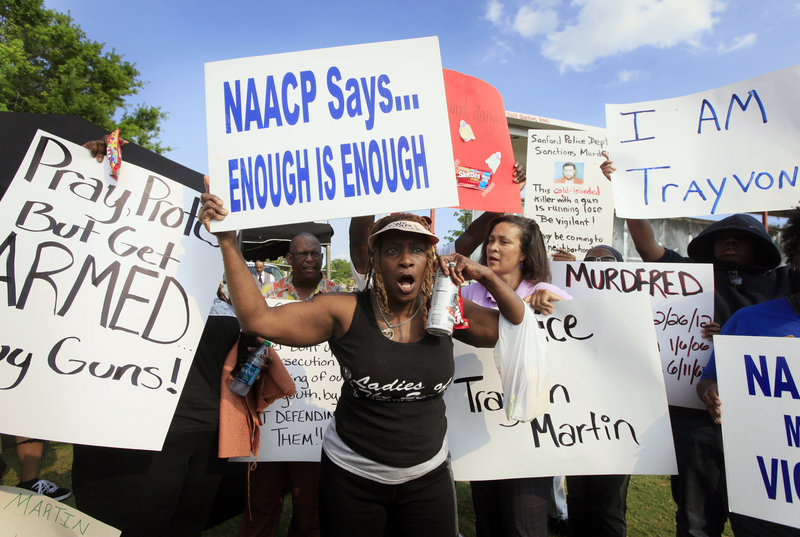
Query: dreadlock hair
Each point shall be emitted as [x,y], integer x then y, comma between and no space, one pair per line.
[535,266]
[790,237]
[374,274]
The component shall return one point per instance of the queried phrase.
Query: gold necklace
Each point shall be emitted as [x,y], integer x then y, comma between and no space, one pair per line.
[389,330]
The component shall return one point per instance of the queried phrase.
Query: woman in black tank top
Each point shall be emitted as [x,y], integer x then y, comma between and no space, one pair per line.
[388,433]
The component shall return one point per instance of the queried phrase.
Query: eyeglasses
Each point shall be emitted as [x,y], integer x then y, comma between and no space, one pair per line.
[302,255]
[601,258]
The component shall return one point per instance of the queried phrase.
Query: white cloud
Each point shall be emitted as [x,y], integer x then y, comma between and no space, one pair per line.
[604,28]
[494,11]
[740,42]
[531,20]
[626,75]
[499,52]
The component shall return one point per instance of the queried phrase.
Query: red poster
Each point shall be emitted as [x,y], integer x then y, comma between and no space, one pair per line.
[484,160]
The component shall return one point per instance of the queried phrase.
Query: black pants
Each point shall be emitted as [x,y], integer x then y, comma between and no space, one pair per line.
[597,505]
[352,506]
[511,507]
[150,493]
[699,488]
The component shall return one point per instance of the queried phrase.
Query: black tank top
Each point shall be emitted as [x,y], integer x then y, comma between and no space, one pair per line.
[391,409]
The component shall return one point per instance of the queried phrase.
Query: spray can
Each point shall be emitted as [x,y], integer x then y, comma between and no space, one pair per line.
[444,301]
[250,369]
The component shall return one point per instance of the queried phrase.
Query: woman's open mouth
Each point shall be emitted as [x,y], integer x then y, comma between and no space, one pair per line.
[406,283]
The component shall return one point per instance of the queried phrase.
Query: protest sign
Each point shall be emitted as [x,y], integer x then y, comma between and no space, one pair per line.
[608,410]
[107,284]
[482,150]
[292,427]
[566,193]
[25,514]
[727,150]
[682,301]
[329,133]
[761,425]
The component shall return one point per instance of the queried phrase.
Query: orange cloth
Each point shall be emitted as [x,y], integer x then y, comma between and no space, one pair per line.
[239,417]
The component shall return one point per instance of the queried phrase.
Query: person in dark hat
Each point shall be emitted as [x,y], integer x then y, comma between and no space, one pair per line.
[774,318]
[746,272]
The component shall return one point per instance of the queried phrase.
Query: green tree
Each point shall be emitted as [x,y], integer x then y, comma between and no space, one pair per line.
[49,66]
[341,273]
[464,217]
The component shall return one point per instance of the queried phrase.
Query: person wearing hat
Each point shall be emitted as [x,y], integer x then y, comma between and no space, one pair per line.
[384,455]
[269,480]
[775,318]
[746,273]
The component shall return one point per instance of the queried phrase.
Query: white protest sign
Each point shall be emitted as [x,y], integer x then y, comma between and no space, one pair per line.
[728,150]
[292,427]
[106,285]
[761,425]
[25,514]
[608,413]
[682,301]
[566,193]
[329,133]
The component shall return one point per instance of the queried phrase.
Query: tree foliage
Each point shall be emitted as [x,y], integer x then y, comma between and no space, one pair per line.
[49,66]
[464,217]
[341,273]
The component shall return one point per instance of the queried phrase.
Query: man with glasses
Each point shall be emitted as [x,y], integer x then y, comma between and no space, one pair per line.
[270,480]
[306,279]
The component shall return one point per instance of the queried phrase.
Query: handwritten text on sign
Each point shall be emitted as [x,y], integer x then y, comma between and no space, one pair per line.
[608,411]
[31,515]
[567,194]
[727,150]
[104,297]
[758,384]
[329,133]
[682,299]
[293,427]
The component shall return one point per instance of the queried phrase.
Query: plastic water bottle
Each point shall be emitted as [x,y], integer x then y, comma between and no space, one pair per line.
[250,369]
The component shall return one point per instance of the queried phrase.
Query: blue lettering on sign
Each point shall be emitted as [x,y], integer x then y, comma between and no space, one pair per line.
[253,112]
[359,97]
[261,111]
[763,180]
[256,182]
[792,430]
[760,375]
[771,479]
[706,106]
[635,115]
[645,170]
[368,167]
[327,187]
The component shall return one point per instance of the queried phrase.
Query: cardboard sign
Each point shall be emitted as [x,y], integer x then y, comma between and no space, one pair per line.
[608,410]
[482,150]
[106,285]
[479,436]
[728,150]
[566,193]
[757,379]
[682,301]
[329,133]
[25,514]
[292,428]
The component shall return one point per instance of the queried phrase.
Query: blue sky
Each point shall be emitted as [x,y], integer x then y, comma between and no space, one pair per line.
[553,58]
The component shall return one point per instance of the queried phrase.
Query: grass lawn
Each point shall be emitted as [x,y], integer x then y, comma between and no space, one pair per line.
[651,511]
